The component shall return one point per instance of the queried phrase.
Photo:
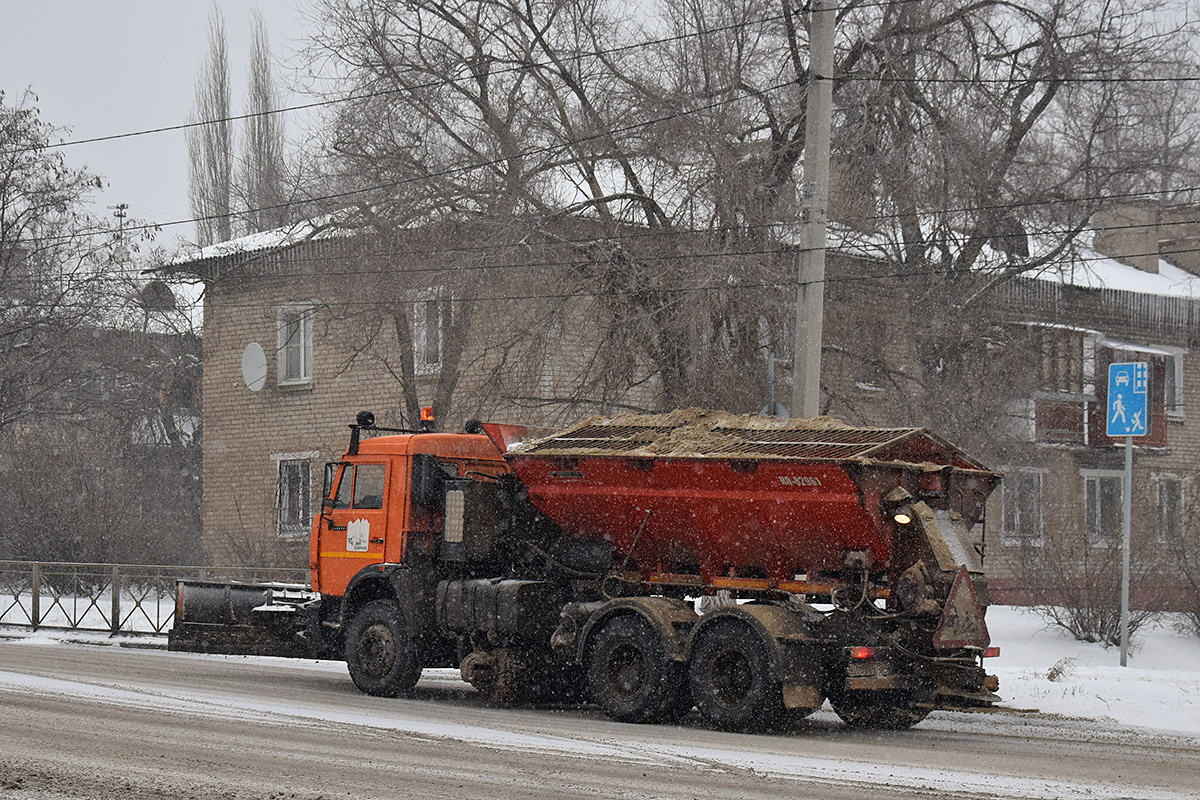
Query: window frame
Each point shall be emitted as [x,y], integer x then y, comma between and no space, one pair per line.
[1173,387]
[297,525]
[1051,352]
[424,300]
[1008,537]
[303,314]
[1090,476]
[1161,480]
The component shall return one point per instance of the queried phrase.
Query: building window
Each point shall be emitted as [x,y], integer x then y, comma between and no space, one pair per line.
[292,507]
[1065,366]
[870,373]
[295,344]
[1170,508]
[1103,499]
[1173,375]
[1066,360]
[1022,507]
[429,320]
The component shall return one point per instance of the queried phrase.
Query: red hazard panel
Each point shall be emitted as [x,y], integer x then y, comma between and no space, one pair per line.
[962,622]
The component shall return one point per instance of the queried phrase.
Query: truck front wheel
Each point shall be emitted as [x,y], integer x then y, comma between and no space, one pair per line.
[630,675]
[732,680]
[379,650]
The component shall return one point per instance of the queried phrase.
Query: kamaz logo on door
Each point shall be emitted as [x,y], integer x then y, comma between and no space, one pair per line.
[357,533]
[799,480]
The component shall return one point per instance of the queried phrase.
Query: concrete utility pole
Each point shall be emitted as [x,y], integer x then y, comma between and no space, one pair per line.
[810,258]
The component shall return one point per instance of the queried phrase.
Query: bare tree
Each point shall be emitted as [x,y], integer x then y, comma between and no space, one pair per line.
[675,140]
[262,168]
[509,116]
[53,256]
[117,479]
[210,146]
[84,407]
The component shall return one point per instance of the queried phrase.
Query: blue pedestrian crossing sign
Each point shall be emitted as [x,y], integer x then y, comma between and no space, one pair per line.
[1128,396]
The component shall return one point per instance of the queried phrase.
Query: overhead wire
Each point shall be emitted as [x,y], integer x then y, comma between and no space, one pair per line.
[132,229]
[592,54]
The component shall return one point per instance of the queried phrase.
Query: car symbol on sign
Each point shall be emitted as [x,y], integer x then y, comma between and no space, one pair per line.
[1122,379]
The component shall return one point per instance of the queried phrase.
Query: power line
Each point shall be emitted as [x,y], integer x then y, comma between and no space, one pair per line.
[386,92]
[545,149]
[848,77]
[448,172]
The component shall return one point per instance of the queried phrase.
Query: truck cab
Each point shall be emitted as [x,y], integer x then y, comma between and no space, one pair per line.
[377,506]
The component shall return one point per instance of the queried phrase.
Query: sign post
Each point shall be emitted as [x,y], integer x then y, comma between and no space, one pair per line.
[1128,416]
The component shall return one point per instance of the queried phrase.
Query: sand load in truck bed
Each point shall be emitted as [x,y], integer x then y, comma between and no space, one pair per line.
[700,433]
[713,493]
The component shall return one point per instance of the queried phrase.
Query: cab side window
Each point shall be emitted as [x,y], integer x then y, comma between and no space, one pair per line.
[342,498]
[368,486]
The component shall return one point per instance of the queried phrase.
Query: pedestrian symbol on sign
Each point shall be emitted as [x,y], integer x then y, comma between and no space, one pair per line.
[1128,406]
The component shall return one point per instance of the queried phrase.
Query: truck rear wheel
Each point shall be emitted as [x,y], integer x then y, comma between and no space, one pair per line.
[731,678]
[631,677]
[379,650]
[885,710]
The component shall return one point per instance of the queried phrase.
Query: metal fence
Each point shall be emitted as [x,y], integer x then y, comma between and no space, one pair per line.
[114,598]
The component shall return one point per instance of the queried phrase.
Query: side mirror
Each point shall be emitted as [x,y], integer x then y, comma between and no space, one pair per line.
[326,506]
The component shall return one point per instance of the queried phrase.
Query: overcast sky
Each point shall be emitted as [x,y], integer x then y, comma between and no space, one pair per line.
[103,68]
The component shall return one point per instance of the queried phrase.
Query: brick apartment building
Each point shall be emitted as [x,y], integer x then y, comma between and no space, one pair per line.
[304,328]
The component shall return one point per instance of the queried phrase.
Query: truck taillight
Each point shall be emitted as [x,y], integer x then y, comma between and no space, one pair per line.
[991,652]
[862,652]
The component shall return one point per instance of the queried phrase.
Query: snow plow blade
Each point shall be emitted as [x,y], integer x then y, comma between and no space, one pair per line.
[242,619]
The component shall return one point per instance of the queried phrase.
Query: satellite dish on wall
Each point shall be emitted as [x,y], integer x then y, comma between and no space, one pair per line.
[157,296]
[254,367]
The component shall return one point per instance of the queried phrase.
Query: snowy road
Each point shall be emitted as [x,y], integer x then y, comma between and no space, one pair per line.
[86,721]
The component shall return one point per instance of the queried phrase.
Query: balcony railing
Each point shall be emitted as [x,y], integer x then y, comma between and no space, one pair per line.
[113,598]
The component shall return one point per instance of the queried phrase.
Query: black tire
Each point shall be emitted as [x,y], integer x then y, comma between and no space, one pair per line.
[731,678]
[379,650]
[884,710]
[631,677]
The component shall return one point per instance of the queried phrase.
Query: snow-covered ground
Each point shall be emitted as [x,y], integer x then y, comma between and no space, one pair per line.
[1160,689]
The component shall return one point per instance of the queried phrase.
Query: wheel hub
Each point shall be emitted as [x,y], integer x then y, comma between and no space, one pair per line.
[377,650]
[627,670]
[732,677]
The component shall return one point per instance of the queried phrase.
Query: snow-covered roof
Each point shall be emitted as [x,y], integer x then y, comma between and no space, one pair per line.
[1085,267]
[1092,270]
[328,226]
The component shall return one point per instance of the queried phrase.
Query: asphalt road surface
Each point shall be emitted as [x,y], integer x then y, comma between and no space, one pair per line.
[86,721]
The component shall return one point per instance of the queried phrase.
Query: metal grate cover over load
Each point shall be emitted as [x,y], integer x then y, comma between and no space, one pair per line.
[699,433]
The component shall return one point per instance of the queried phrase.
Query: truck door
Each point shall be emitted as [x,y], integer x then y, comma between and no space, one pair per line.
[353,532]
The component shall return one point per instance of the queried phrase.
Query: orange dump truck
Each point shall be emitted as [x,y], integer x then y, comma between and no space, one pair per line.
[749,568]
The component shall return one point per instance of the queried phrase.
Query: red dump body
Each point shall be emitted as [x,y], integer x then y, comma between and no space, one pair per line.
[772,499]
